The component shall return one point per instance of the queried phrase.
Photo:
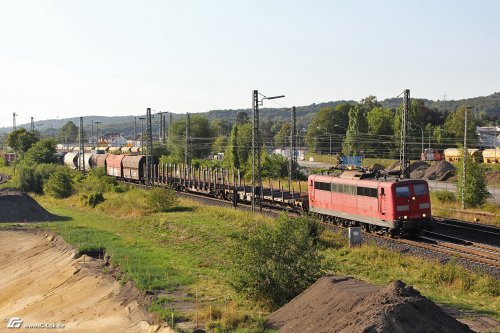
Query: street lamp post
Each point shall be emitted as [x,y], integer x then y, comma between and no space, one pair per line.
[256,102]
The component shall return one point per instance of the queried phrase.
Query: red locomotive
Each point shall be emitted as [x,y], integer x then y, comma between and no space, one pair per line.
[392,206]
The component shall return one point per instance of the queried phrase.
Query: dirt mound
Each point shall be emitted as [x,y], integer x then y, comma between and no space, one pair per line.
[335,304]
[17,206]
[440,171]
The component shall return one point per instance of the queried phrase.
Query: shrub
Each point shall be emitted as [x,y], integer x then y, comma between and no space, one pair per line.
[93,199]
[161,199]
[444,196]
[273,264]
[475,189]
[60,184]
[32,178]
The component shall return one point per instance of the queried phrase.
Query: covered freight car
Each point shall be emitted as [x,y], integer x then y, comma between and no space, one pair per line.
[114,165]
[99,160]
[134,165]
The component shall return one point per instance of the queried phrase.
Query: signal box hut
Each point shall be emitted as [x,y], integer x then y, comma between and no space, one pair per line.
[114,165]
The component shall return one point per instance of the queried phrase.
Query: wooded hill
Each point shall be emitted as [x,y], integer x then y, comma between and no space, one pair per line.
[485,107]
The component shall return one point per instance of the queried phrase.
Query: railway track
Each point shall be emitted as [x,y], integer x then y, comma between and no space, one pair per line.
[443,244]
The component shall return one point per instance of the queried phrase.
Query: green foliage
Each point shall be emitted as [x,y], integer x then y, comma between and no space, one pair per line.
[331,120]
[221,127]
[475,187]
[97,181]
[455,124]
[220,144]
[41,152]
[21,140]
[161,199]
[200,133]
[60,184]
[351,144]
[282,138]
[273,264]
[274,166]
[92,199]
[380,121]
[31,178]
[68,133]
[444,195]
[238,151]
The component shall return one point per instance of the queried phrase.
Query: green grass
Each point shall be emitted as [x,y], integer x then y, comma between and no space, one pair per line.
[184,251]
[184,255]
[448,284]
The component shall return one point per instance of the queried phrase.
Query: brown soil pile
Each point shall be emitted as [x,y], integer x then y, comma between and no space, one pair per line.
[43,283]
[440,171]
[17,206]
[335,304]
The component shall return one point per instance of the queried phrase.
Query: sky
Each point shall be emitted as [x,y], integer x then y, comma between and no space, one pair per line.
[69,58]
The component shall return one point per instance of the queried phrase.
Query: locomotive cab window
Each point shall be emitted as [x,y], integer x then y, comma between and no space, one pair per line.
[420,189]
[402,191]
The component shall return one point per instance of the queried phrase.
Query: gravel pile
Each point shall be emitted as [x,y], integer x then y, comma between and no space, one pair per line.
[440,171]
[336,304]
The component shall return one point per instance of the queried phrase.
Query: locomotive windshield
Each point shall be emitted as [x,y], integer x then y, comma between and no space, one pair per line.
[420,189]
[402,191]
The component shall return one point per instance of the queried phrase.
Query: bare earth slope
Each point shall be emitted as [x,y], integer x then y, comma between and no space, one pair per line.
[40,282]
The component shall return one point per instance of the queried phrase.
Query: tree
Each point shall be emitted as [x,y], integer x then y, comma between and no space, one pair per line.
[327,121]
[241,117]
[231,158]
[221,127]
[60,184]
[380,121]
[414,117]
[351,144]
[44,151]
[68,133]
[219,144]
[200,138]
[21,140]
[475,188]
[282,138]
[273,264]
[455,124]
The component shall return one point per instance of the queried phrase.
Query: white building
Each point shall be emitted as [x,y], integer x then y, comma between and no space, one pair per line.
[300,153]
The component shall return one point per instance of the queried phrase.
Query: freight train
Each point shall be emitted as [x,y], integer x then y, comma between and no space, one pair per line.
[373,201]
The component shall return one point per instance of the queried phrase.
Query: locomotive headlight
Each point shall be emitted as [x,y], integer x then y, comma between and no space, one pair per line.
[424,215]
[405,217]
[412,198]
